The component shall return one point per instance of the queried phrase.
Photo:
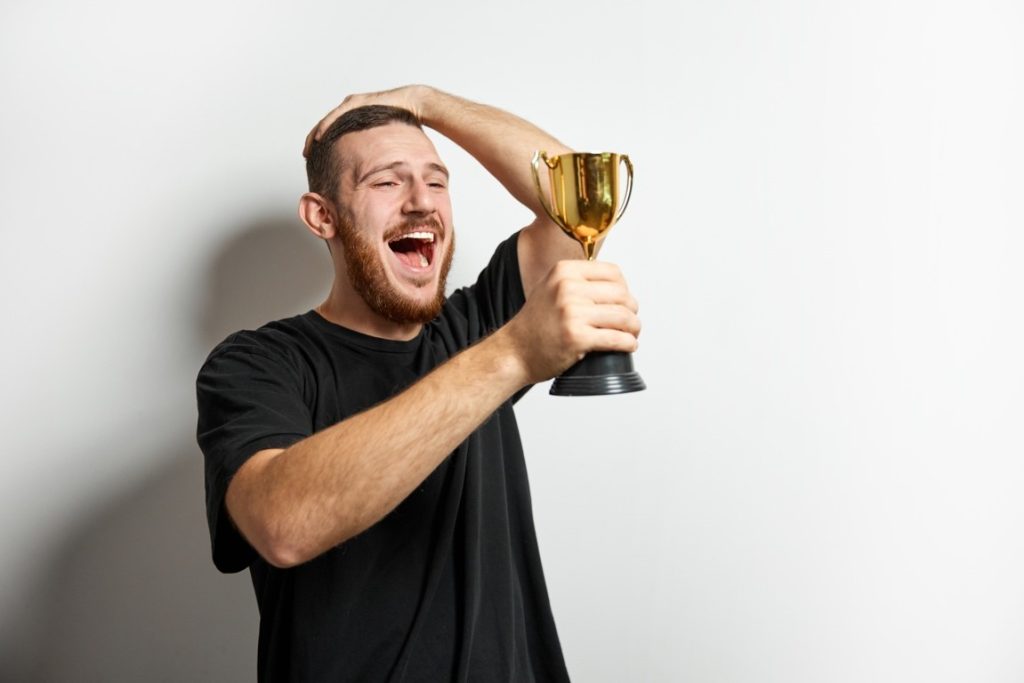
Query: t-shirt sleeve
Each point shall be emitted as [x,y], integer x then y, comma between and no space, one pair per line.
[497,295]
[249,399]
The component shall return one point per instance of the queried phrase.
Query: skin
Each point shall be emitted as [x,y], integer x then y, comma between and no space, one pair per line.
[392,176]
[294,504]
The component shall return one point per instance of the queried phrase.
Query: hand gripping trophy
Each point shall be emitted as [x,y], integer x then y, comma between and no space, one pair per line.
[585,204]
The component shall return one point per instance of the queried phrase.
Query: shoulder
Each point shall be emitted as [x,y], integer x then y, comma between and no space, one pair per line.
[496,295]
[282,344]
[277,335]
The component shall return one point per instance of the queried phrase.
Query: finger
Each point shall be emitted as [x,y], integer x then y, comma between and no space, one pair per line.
[588,270]
[309,143]
[326,121]
[610,340]
[320,128]
[350,102]
[603,270]
[610,318]
[606,292]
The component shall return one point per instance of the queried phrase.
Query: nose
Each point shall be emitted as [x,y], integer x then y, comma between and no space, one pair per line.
[418,199]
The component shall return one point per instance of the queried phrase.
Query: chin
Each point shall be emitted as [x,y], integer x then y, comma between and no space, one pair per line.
[393,288]
[404,303]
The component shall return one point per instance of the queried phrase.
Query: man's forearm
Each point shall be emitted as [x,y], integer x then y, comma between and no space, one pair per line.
[502,142]
[329,487]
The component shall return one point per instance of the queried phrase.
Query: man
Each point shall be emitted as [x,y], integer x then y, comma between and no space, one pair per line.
[362,459]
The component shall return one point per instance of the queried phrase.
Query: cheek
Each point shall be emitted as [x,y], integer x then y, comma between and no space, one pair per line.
[444,208]
[373,220]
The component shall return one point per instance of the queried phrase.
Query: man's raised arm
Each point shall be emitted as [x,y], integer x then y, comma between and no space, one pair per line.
[502,142]
[294,504]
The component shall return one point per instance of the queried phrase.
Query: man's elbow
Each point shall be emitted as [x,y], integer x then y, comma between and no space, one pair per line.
[276,539]
[266,534]
[264,526]
[275,546]
[282,556]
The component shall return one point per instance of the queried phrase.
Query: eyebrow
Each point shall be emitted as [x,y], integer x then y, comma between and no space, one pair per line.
[396,164]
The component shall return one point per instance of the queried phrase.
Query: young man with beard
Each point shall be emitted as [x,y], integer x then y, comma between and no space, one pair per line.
[362,459]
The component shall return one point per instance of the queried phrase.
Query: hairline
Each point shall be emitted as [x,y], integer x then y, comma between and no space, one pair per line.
[332,136]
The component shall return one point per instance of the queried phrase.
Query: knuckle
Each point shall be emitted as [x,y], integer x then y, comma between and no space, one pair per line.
[563,290]
[567,337]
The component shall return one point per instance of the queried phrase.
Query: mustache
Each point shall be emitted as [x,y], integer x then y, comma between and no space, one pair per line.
[412,225]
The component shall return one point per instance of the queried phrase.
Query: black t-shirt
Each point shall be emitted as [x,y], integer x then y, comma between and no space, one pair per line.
[448,586]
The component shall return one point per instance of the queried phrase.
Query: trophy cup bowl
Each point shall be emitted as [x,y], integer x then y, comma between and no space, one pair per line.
[585,204]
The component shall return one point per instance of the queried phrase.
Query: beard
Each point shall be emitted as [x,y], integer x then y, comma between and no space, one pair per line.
[369,279]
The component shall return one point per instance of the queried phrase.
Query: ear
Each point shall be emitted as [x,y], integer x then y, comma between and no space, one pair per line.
[318,214]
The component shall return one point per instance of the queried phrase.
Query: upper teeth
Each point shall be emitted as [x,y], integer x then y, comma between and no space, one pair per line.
[428,236]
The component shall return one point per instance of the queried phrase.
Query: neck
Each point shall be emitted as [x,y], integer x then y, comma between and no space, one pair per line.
[346,308]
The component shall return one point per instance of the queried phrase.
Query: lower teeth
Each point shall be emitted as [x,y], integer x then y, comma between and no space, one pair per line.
[423,261]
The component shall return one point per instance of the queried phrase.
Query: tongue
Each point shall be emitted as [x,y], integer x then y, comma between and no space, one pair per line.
[413,259]
[410,252]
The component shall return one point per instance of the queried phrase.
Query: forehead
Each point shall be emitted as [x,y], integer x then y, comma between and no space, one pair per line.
[384,145]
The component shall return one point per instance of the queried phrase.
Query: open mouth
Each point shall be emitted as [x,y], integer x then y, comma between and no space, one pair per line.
[414,249]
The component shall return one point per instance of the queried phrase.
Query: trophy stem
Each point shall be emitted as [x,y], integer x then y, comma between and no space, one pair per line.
[590,249]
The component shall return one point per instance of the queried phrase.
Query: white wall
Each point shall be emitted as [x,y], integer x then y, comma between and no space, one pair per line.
[823,482]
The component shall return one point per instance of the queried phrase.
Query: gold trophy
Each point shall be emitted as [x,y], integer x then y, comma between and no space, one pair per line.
[585,204]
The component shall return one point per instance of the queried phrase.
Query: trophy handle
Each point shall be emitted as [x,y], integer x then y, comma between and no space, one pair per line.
[537,157]
[629,186]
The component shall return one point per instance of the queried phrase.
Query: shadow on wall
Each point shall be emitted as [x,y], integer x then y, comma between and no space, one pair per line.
[131,593]
[271,269]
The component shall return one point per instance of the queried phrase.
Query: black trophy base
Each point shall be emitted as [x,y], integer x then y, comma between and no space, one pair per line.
[600,373]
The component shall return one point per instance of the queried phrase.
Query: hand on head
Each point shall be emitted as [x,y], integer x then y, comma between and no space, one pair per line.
[407,97]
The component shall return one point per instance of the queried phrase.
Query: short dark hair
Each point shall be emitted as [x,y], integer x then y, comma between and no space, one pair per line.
[323,168]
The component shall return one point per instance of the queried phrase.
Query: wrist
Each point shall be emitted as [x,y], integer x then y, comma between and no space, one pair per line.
[425,98]
[505,362]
